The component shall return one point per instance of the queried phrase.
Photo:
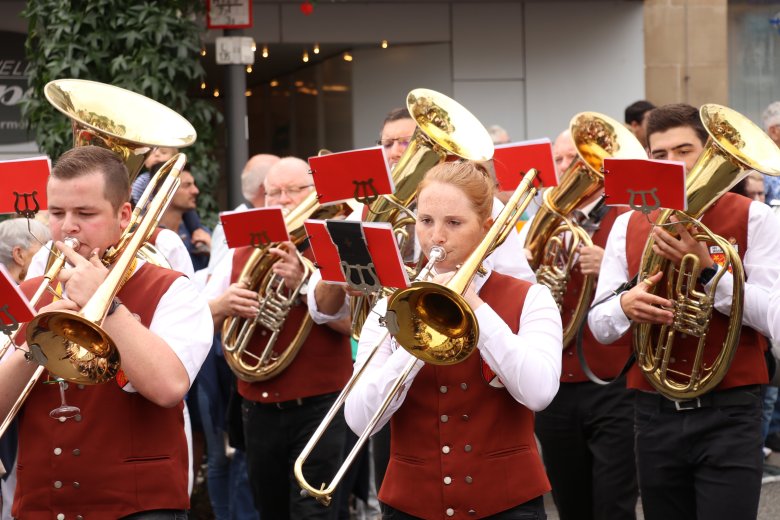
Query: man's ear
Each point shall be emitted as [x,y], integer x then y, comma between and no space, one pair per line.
[17,253]
[125,212]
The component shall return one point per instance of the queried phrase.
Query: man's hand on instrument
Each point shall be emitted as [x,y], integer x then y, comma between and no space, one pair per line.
[590,259]
[201,236]
[644,307]
[289,266]
[674,249]
[84,278]
[237,301]
[60,305]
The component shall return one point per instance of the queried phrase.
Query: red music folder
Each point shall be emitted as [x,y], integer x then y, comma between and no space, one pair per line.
[24,176]
[645,184]
[356,174]
[513,160]
[15,309]
[325,253]
[381,245]
[254,227]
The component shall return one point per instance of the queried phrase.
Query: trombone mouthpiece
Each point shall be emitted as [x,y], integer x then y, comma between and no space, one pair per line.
[72,242]
[437,254]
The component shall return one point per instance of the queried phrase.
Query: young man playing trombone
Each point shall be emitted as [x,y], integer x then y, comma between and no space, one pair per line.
[122,453]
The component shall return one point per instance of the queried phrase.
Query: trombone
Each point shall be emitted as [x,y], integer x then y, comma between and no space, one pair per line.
[56,263]
[417,294]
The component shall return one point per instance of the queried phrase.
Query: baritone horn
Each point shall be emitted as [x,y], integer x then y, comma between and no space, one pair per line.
[735,145]
[443,311]
[554,238]
[444,128]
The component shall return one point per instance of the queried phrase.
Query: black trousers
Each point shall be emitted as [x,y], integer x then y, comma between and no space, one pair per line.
[274,438]
[587,438]
[531,510]
[701,463]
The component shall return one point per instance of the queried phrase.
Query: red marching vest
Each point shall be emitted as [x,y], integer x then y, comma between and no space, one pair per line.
[605,361]
[459,445]
[323,365]
[728,217]
[121,455]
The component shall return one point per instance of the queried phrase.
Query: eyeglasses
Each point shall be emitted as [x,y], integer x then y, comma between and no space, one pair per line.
[291,192]
[403,142]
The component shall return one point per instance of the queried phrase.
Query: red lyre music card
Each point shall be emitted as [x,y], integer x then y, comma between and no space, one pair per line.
[15,309]
[325,252]
[513,160]
[358,174]
[23,185]
[384,251]
[645,184]
[254,227]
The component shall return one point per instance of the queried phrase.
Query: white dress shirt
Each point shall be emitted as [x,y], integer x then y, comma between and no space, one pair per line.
[608,322]
[219,245]
[528,363]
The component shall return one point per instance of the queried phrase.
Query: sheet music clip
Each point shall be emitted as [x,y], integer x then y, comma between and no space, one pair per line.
[362,255]
[12,325]
[356,262]
[27,211]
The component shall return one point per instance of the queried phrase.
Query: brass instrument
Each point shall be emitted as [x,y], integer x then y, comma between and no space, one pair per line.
[444,312]
[444,128]
[73,346]
[735,145]
[142,125]
[275,302]
[108,116]
[54,264]
[553,237]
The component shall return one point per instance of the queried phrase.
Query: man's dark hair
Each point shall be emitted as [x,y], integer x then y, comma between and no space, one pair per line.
[675,115]
[395,115]
[85,160]
[635,112]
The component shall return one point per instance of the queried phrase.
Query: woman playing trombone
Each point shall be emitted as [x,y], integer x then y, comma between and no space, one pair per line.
[462,435]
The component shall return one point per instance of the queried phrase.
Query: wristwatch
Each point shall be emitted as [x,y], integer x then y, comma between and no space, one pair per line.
[115,303]
[707,274]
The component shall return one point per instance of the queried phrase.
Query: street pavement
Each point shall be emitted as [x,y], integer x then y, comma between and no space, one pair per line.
[768,507]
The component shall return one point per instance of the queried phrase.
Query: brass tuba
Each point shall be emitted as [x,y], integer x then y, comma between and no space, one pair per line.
[444,128]
[735,145]
[275,302]
[450,322]
[553,237]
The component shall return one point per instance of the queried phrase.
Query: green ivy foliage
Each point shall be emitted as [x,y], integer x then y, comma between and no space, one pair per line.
[151,47]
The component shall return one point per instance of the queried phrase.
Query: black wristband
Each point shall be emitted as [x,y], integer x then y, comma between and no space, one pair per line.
[115,303]
[707,274]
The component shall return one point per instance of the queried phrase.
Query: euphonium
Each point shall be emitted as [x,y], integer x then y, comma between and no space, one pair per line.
[554,238]
[73,346]
[449,319]
[275,303]
[444,128]
[735,145]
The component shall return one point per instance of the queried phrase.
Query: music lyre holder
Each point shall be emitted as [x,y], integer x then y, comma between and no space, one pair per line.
[259,239]
[8,328]
[365,191]
[642,195]
[27,211]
